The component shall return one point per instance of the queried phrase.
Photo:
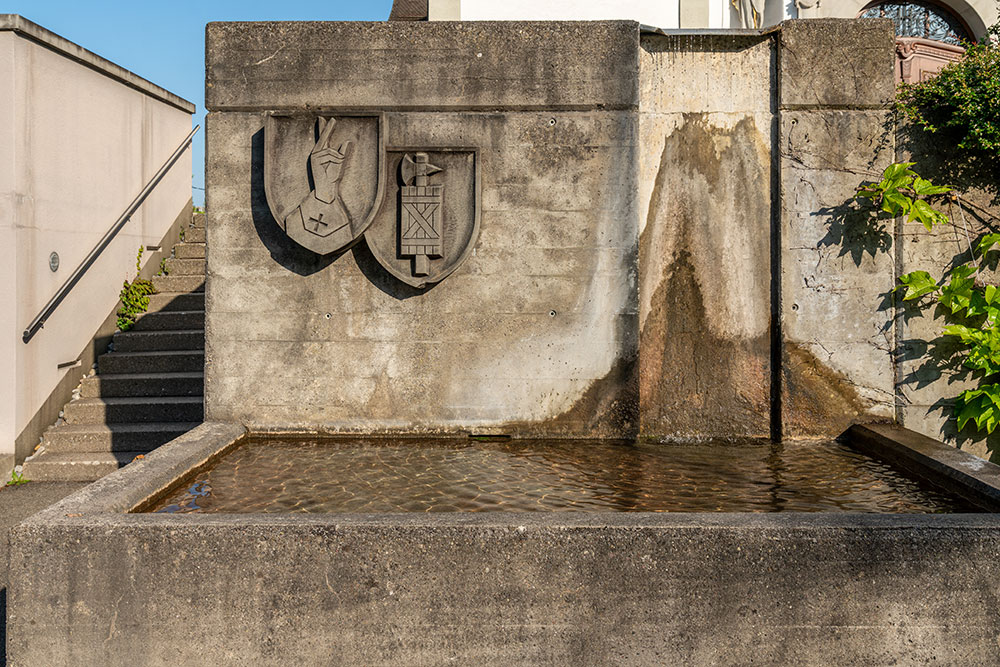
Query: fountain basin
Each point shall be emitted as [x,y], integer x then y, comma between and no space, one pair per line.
[488,587]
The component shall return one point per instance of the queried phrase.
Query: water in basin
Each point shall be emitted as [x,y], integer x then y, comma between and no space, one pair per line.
[368,475]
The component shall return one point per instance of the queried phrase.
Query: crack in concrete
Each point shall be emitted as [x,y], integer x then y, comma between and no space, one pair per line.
[264,60]
[114,619]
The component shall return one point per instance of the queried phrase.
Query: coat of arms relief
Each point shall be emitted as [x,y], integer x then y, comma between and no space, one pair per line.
[330,182]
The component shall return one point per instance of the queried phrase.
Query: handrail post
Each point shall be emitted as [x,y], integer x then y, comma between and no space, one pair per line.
[89,260]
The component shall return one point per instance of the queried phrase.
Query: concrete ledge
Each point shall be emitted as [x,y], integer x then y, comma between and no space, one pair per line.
[504,590]
[836,63]
[150,477]
[73,51]
[958,472]
[439,66]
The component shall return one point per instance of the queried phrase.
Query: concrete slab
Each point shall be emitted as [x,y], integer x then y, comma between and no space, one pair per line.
[865,48]
[428,66]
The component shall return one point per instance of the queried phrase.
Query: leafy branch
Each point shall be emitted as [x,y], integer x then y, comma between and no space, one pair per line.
[903,193]
[972,307]
[961,105]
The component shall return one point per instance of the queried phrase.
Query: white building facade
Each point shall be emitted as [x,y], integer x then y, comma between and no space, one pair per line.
[929,34]
[973,16]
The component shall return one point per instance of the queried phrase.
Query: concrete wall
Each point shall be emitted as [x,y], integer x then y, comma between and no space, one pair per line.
[503,590]
[535,333]
[836,314]
[655,253]
[84,137]
[8,253]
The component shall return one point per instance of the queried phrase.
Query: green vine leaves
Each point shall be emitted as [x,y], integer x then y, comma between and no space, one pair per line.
[134,297]
[900,193]
[972,306]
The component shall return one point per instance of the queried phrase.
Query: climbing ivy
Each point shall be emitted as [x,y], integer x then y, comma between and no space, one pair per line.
[134,297]
[971,305]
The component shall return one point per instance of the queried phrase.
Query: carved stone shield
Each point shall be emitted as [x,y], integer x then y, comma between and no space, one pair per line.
[433,226]
[324,177]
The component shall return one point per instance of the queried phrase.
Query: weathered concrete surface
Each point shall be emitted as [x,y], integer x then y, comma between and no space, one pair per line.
[501,590]
[835,274]
[704,252]
[92,585]
[536,333]
[430,66]
[864,51]
[17,503]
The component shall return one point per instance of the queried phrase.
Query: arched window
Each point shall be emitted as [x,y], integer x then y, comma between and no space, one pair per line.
[920,19]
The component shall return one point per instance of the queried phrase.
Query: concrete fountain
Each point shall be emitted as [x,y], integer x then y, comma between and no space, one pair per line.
[521,230]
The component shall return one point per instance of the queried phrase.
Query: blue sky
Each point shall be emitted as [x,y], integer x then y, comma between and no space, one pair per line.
[165,41]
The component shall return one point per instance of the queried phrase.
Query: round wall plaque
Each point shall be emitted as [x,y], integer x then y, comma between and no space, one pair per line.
[54,261]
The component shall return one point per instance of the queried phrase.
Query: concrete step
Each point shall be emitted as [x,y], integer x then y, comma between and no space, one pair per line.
[194,235]
[161,361]
[173,320]
[174,302]
[134,409]
[185,267]
[136,341]
[198,220]
[179,283]
[189,251]
[113,437]
[75,466]
[145,384]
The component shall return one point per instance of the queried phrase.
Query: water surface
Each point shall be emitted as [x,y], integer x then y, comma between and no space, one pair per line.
[462,475]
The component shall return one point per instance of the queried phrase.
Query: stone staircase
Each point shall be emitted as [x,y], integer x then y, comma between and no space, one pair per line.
[145,392]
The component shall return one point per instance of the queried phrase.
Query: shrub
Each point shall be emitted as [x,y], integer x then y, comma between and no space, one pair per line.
[961,105]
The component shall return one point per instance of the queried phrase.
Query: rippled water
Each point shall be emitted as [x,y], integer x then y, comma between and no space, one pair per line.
[381,475]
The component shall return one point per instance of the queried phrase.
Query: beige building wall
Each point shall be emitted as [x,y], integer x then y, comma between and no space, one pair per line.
[659,13]
[8,253]
[83,139]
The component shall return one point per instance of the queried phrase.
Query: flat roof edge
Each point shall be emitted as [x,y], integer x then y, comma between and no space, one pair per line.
[36,33]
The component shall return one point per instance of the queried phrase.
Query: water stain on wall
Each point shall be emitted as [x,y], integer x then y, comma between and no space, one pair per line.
[816,400]
[704,367]
[693,383]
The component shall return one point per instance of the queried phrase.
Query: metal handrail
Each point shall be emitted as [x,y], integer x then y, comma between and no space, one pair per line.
[88,261]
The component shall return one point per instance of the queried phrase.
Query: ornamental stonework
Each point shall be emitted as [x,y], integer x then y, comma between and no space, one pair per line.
[330,182]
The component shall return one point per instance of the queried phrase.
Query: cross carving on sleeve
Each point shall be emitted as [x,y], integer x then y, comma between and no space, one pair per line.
[317,221]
